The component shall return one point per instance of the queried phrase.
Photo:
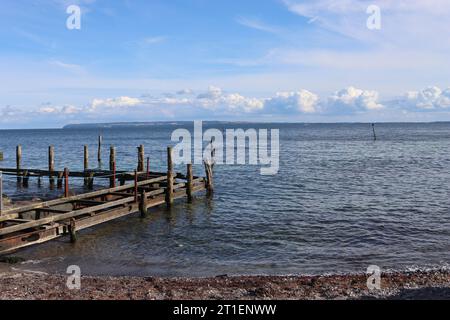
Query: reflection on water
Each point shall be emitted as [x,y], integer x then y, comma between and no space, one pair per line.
[339,203]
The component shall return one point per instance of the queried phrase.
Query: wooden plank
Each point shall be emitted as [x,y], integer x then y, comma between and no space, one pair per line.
[65,216]
[81,196]
[89,202]
[50,210]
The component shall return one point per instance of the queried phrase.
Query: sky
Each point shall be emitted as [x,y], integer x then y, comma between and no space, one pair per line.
[252,60]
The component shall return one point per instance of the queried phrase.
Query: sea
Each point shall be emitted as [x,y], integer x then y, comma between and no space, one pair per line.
[340,202]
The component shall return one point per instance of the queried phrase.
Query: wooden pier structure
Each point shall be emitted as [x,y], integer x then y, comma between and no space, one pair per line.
[137,192]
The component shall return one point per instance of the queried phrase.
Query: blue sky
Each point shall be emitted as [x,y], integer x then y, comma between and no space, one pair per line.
[268,60]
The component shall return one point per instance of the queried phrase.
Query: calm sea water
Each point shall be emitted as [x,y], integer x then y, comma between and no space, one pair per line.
[340,203]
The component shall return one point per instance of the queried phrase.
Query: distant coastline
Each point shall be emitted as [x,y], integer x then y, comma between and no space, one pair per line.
[111,125]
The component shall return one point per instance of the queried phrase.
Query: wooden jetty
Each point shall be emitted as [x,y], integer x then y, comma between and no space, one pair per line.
[138,191]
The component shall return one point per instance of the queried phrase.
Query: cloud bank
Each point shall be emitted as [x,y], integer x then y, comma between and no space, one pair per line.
[217,103]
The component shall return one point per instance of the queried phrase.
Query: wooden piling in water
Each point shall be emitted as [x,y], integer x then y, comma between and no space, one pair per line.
[143,204]
[91,181]
[209,165]
[59,183]
[141,155]
[86,165]
[113,179]
[169,187]
[189,185]
[72,231]
[135,186]
[18,162]
[100,140]
[51,166]
[66,183]
[112,165]
[26,177]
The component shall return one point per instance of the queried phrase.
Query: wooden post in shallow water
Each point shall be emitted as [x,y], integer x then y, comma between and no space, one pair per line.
[59,183]
[18,162]
[99,157]
[209,178]
[66,183]
[141,155]
[374,133]
[51,166]
[26,177]
[135,186]
[189,182]
[112,165]
[72,231]
[209,165]
[143,204]
[86,165]
[169,187]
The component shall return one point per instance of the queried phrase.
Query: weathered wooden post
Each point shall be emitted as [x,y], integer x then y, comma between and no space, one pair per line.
[72,231]
[113,179]
[51,166]
[209,179]
[26,178]
[209,165]
[189,185]
[374,133]
[91,181]
[100,140]
[18,162]
[1,156]
[141,155]
[135,186]
[112,165]
[59,182]
[148,168]
[86,165]
[169,188]
[66,183]
[143,204]
[39,181]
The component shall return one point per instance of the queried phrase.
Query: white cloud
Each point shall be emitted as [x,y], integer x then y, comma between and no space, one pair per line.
[120,102]
[257,25]
[430,98]
[215,103]
[215,99]
[302,101]
[353,99]
[75,68]
[58,110]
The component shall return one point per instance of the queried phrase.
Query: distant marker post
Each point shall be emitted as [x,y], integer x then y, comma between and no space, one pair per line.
[374,133]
